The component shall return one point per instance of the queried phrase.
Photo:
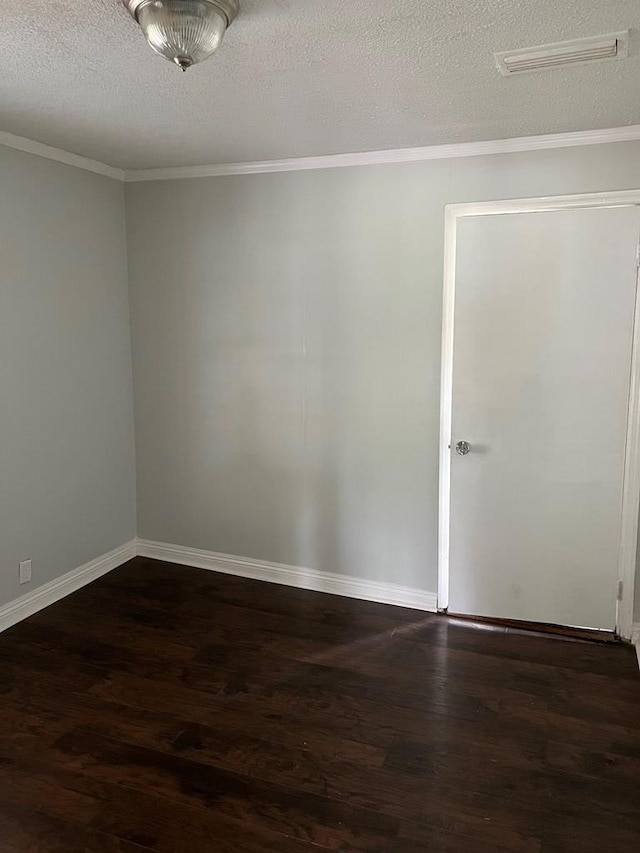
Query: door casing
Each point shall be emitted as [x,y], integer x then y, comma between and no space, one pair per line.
[631,482]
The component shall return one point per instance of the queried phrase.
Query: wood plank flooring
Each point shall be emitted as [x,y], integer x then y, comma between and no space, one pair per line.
[169,709]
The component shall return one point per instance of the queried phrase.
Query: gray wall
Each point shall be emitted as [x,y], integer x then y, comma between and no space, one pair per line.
[66,422]
[287,353]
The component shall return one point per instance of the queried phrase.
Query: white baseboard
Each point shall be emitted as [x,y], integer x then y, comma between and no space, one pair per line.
[368,590]
[312,579]
[53,591]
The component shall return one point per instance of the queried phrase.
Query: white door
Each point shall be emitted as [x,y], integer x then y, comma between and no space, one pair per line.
[543,322]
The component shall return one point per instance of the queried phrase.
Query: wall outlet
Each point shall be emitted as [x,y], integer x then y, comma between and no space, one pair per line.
[25,571]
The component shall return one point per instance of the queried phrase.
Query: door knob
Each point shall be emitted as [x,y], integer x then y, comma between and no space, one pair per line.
[462,448]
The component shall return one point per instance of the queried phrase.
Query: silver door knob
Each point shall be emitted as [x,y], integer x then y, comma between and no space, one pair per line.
[462,448]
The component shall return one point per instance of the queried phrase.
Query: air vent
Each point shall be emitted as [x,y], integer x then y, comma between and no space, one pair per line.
[595,49]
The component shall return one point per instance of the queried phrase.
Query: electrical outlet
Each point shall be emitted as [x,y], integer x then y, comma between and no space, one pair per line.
[25,571]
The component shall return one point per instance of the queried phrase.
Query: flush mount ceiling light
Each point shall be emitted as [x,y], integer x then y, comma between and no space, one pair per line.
[183,31]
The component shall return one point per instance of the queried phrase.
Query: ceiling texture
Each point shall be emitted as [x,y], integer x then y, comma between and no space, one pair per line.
[297,78]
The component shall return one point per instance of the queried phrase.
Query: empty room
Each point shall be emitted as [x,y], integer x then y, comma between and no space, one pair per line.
[319,426]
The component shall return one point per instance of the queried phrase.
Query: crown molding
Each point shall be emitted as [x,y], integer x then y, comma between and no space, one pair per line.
[398,155]
[332,161]
[30,146]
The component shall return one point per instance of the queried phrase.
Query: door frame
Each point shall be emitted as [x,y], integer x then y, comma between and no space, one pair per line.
[631,476]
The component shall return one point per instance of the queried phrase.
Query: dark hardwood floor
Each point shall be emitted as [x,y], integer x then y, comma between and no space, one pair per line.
[171,709]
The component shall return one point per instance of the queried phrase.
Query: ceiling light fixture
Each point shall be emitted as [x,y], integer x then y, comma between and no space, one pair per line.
[183,31]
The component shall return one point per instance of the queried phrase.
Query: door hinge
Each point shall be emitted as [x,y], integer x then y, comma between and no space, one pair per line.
[620,590]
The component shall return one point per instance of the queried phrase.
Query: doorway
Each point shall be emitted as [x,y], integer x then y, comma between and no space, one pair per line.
[539,435]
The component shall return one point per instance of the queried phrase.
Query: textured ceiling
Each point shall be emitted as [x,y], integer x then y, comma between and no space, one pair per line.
[304,77]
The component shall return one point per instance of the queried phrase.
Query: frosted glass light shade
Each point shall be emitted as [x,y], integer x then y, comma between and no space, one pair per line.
[183,31]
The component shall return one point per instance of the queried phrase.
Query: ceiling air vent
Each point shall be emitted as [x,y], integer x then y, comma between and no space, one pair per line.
[594,49]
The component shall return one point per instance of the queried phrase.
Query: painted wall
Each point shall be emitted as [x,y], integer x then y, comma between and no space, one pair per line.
[66,422]
[287,353]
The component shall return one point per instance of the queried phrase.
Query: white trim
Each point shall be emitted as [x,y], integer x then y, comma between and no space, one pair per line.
[53,591]
[635,639]
[446,392]
[30,146]
[631,485]
[312,579]
[398,155]
[332,161]
[631,490]
[613,198]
